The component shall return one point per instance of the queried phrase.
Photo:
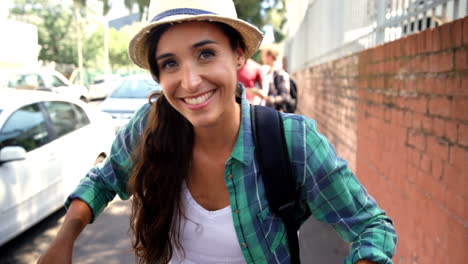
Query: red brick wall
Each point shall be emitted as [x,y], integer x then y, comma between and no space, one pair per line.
[332,102]
[399,113]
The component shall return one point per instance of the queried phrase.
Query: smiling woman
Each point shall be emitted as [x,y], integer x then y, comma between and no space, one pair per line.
[188,157]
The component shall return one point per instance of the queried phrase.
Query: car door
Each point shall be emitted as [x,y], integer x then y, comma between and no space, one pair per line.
[27,187]
[74,141]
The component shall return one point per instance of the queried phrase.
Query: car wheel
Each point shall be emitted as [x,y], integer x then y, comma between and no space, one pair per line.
[100,159]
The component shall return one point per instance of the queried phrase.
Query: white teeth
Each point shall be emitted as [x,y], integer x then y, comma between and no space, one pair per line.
[199,99]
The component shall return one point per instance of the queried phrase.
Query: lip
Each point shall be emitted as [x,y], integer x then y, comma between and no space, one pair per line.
[201,105]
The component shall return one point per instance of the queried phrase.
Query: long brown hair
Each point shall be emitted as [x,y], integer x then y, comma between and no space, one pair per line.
[161,162]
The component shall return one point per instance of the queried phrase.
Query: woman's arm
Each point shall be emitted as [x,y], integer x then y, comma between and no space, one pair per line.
[61,248]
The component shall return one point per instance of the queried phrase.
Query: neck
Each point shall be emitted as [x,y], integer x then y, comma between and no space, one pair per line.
[221,137]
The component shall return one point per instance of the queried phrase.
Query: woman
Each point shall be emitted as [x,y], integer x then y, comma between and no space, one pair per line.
[188,161]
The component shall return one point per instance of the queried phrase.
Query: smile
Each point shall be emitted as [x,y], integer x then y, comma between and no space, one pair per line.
[199,99]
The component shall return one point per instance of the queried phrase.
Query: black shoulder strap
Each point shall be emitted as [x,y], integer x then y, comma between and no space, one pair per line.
[273,159]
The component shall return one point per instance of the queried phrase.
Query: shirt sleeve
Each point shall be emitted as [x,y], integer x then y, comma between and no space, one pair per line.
[334,195]
[103,182]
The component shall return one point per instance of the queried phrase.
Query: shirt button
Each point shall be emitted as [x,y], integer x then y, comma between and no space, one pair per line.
[236,211]
[230,176]
[244,245]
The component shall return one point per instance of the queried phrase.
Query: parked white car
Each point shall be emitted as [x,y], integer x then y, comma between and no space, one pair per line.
[47,144]
[103,85]
[47,80]
[130,95]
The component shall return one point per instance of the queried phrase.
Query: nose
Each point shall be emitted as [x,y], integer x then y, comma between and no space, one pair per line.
[191,79]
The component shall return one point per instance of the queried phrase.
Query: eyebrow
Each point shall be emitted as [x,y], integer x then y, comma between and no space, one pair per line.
[196,45]
[165,55]
[204,42]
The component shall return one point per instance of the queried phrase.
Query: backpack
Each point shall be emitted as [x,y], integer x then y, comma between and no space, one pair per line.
[276,170]
[288,107]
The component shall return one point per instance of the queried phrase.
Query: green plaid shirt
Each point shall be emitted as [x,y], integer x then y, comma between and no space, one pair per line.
[328,190]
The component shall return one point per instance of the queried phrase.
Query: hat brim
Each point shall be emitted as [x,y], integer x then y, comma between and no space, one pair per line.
[138,51]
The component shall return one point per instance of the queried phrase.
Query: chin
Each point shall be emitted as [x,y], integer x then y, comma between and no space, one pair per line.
[204,121]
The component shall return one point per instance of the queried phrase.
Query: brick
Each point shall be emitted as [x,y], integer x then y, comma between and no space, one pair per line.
[414,174]
[421,85]
[418,105]
[457,243]
[456,204]
[461,59]
[446,36]
[440,106]
[442,62]
[425,63]
[397,117]
[436,86]
[452,179]
[457,85]
[410,85]
[427,124]
[417,121]
[451,131]
[457,33]
[437,166]
[463,135]
[437,147]
[429,33]
[433,187]
[458,158]
[438,127]
[417,140]
[460,108]
[436,39]
[408,119]
[421,40]
[426,164]
[465,30]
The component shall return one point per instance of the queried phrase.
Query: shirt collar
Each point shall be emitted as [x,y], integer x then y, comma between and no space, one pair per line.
[244,148]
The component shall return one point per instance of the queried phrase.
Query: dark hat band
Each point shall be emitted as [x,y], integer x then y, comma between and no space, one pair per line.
[181,11]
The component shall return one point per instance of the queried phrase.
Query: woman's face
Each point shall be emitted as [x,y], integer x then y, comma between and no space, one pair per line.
[198,72]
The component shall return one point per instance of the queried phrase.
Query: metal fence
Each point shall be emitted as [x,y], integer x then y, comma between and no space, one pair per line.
[331,29]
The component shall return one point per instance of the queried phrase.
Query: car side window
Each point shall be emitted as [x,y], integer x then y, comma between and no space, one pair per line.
[56,82]
[82,117]
[65,117]
[26,128]
[27,81]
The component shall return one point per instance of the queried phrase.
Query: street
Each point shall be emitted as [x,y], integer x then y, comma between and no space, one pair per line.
[107,240]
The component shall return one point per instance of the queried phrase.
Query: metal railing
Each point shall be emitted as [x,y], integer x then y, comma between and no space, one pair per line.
[335,28]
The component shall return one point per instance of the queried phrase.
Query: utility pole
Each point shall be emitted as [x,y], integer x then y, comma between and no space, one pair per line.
[76,8]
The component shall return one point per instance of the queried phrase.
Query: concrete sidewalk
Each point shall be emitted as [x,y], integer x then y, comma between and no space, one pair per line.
[107,240]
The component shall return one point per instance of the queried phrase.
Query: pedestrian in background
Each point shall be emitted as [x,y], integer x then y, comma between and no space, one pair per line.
[250,75]
[276,84]
[188,160]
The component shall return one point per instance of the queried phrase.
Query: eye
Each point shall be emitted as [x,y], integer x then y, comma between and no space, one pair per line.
[168,64]
[206,54]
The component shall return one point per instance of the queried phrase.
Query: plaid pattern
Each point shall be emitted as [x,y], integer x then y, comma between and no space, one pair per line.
[326,187]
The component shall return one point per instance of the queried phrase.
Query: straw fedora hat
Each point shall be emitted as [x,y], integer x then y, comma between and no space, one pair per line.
[172,11]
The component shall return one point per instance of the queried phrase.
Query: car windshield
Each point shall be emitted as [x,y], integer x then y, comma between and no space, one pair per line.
[135,89]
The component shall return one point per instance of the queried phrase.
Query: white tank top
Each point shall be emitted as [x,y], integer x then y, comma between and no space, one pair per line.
[206,236]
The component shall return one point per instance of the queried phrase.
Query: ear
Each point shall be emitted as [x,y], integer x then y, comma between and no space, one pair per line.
[240,57]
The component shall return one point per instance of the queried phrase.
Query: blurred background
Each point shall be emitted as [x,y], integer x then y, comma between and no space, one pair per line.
[386,81]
